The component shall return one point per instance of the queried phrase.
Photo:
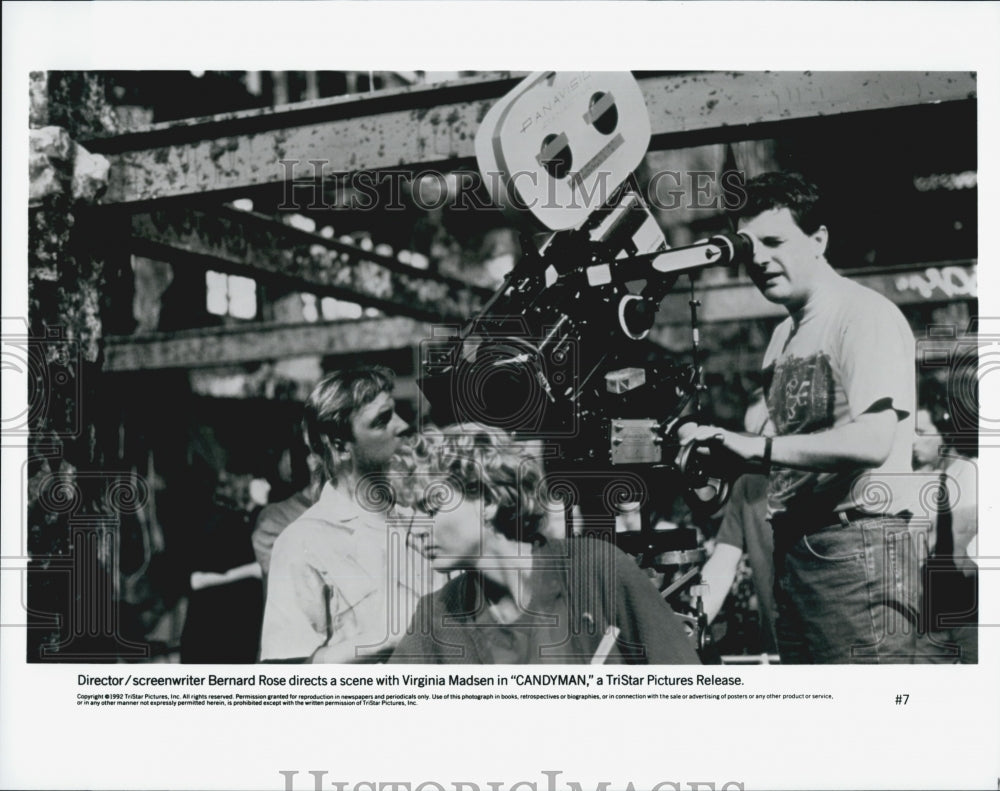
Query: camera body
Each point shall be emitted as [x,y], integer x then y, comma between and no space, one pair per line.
[560,352]
[502,374]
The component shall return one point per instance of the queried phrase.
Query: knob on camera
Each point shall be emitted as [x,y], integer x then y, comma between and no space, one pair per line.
[705,466]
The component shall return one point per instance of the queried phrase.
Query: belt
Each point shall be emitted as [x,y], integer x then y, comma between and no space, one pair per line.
[849,515]
[844,517]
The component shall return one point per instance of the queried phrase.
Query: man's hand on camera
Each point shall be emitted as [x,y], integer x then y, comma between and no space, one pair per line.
[748,449]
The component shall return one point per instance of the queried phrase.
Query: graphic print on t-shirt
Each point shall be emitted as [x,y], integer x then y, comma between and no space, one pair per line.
[800,400]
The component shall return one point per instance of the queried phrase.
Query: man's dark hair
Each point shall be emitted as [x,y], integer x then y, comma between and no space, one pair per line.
[784,191]
[336,398]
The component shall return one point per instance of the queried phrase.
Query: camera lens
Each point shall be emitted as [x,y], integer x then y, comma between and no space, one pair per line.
[501,386]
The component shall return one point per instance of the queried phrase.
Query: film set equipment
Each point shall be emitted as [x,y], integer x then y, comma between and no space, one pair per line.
[559,353]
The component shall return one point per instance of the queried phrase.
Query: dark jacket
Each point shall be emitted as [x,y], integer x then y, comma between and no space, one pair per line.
[584,586]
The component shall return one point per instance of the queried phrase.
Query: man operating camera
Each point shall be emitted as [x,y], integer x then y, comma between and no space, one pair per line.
[840,382]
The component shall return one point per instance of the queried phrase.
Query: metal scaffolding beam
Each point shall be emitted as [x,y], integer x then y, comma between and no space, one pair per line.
[256,246]
[434,126]
[738,301]
[909,284]
[254,343]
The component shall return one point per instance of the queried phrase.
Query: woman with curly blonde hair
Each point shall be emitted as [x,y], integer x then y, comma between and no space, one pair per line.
[519,597]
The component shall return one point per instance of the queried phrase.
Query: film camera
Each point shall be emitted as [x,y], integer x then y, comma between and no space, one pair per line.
[560,351]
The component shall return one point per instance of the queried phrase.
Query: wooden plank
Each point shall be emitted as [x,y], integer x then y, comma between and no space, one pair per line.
[257,342]
[255,246]
[434,126]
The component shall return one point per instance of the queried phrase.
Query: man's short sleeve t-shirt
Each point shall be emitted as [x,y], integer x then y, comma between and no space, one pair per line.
[850,351]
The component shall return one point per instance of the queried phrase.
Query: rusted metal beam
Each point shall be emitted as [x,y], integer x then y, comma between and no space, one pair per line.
[739,301]
[255,246]
[434,126]
[709,100]
[386,129]
[905,285]
[258,342]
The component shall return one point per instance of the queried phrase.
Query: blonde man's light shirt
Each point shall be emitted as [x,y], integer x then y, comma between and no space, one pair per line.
[343,582]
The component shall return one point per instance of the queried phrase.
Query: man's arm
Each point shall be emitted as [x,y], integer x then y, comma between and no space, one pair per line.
[864,442]
[964,514]
[718,573]
[265,532]
[731,540]
[296,615]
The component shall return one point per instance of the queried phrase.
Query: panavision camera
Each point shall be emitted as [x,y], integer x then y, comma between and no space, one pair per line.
[560,351]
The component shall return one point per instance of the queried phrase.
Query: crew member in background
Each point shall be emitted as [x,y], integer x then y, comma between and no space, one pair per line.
[337,578]
[745,528]
[275,517]
[951,578]
[226,600]
[839,377]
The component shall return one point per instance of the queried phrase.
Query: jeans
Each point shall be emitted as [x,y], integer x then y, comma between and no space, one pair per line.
[848,592]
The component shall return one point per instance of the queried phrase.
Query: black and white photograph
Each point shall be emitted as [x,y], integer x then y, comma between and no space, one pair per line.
[628,349]
[316,379]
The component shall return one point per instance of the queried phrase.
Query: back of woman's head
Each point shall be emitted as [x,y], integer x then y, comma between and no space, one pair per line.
[486,464]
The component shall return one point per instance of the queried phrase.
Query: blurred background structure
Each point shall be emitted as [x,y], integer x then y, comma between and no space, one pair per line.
[204,246]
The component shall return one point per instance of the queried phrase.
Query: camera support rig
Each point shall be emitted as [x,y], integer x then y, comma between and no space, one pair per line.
[559,353]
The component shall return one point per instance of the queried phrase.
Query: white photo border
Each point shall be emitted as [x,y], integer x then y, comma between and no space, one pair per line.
[948,734]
